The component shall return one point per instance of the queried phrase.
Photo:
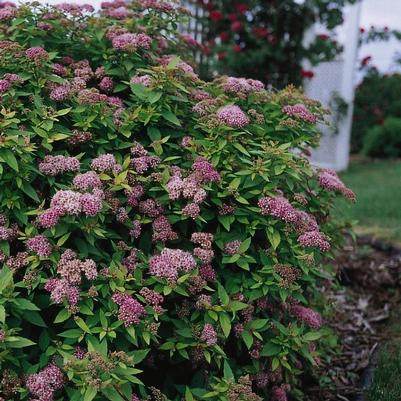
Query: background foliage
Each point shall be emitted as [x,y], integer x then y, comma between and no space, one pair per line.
[265,39]
[160,238]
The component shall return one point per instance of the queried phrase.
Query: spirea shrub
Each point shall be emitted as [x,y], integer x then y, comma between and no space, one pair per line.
[161,237]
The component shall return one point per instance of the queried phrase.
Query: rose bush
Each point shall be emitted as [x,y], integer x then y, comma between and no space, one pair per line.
[264,39]
[161,237]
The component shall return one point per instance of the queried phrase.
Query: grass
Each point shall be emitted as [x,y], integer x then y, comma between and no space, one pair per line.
[386,384]
[377,212]
[377,185]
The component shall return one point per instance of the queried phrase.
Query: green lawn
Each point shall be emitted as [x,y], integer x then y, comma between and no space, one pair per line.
[377,185]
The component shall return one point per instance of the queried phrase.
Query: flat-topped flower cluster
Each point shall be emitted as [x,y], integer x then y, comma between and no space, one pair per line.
[159,237]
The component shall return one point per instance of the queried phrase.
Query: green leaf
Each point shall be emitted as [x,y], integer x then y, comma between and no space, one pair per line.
[245,245]
[9,158]
[90,393]
[312,336]
[270,349]
[25,304]
[35,318]
[2,314]
[112,394]
[274,238]
[81,323]
[18,342]
[62,316]
[28,189]
[238,146]
[228,373]
[224,298]
[188,395]
[225,323]
[248,339]
[171,117]
[6,278]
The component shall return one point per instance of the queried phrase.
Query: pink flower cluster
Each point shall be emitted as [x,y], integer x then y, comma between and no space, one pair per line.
[54,165]
[60,93]
[106,84]
[145,80]
[131,41]
[278,207]
[232,116]
[307,226]
[75,9]
[301,112]
[209,335]
[106,163]
[40,245]
[152,298]
[314,239]
[236,85]
[306,315]
[170,263]
[231,248]
[37,54]
[4,85]
[8,13]
[279,393]
[86,181]
[329,180]
[131,260]
[70,268]
[44,384]
[130,310]
[162,230]
[61,290]
[119,12]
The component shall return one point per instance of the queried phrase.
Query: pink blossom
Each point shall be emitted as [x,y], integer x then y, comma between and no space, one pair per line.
[162,230]
[170,263]
[151,208]
[105,163]
[36,53]
[60,93]
[8,13]
[300,111]
[136,229]
[329,180]
[86,181]
[131,41]
[61,290]
[50,217]
[191,210]
[40,245]
[67,202]
[207,273]
[205,170]
[314,239]
[235,85]
[205,240]
[231,248]
[232,116]
[54,165]
[145,80]
[4,84]
[306,315]
[209,335]
[130,310]
[106,84]
[278,207]
[91,204]
[44,384]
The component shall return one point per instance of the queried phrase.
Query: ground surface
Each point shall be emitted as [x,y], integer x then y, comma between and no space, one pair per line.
[377,185]
[361,319]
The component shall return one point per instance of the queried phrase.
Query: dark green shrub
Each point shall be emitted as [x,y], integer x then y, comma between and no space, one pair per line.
[384,140]
[376,98]
[160,238]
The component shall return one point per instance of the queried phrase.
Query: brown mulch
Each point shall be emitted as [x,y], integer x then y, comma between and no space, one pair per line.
[370,274]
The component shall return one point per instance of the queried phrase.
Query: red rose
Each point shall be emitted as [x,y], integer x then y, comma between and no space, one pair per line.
[233,17]
[236,26]
[224,36]
[237,49]
[241,8]
[366,60]
[216,15]
[362,30]
[323,36]
[222,55]
[260,32]
[206,50]
[307,74]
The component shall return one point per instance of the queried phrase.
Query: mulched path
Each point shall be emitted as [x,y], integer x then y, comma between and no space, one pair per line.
[370,272]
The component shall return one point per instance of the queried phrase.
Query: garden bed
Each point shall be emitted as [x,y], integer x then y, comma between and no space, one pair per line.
[370,272]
